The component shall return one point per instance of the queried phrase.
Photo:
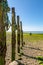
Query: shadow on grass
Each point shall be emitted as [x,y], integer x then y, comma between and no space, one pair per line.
[34,48]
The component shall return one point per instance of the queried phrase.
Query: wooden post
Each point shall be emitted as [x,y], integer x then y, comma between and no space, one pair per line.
[18,34]
[13,34]
[2,38]
[22,37]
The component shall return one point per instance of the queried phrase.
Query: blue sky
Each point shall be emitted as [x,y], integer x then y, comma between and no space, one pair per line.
[30,12]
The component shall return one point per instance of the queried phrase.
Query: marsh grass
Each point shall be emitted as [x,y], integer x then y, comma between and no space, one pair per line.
[33,37]
[27,36]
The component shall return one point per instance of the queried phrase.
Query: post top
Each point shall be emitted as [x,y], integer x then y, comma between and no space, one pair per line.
[18,16]
[13,9]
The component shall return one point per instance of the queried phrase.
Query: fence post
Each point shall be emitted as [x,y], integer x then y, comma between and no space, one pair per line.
[21,40]
[18,33]
[13,34]
[2,38]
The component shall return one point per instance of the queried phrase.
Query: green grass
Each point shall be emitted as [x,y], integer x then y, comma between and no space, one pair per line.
[40,60]
[33,37]
[27,37]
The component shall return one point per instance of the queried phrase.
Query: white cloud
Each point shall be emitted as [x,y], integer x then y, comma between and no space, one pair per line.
[32,28]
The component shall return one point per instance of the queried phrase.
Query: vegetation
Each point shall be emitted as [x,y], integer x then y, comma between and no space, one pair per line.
[40,60]
[27,37]
[30,33]
[33,37]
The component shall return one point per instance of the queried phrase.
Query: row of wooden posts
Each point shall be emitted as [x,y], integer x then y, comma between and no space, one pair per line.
[17,38]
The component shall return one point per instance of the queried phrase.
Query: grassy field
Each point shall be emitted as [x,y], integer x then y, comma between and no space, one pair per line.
[29,38]
[33,37]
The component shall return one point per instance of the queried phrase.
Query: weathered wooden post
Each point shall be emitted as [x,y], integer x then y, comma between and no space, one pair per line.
[18,33]
[2,38]
[21,38]
[13,34]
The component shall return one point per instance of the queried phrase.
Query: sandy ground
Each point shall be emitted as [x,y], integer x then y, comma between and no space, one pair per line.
[30,52]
